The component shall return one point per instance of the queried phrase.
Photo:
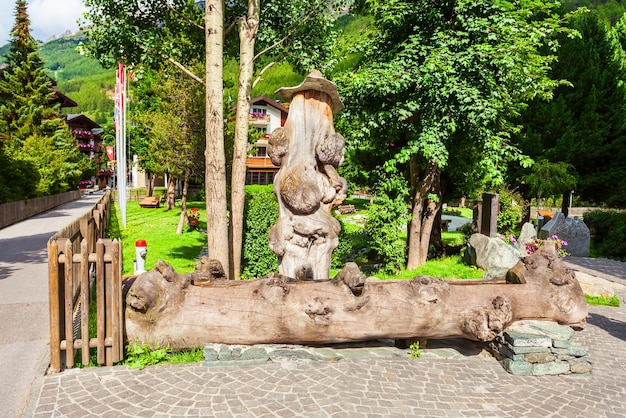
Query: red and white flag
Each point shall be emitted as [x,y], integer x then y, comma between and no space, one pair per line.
[120,94]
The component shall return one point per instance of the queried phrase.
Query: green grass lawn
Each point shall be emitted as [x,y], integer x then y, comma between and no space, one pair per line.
[451,267]
[158,228]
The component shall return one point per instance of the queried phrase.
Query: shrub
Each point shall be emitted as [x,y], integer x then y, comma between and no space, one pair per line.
[608,229]
[200,195]
[467,230]
[260,213]
[352,245]
[511,209]
[385,217]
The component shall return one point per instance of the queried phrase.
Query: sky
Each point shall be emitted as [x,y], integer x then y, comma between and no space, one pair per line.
[47,17]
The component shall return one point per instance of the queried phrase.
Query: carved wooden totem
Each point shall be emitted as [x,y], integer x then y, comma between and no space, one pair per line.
[308,151]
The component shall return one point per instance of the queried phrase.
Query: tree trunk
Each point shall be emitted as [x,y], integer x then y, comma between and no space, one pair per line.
[423,213]
[171,193]
[150,185]
[565,203]
[164,307]
[215,177]
[247,35]
[183,204]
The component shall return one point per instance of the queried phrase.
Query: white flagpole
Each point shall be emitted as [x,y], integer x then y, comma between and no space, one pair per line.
[120,140]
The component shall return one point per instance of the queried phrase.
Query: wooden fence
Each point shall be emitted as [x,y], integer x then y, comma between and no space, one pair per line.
[85,269]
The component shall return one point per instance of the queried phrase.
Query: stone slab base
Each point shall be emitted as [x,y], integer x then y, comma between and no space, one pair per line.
[540,348]
[241,355]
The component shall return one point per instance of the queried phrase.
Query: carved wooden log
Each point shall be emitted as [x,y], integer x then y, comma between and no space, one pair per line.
[190,310]
[308,151]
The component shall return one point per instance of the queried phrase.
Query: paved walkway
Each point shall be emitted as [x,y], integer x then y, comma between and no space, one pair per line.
[24,312]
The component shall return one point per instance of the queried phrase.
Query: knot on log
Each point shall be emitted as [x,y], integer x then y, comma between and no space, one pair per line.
[351,276]
[207,270]
[157,290]
[319,312]
[272,288]
[486,323]
[429,290]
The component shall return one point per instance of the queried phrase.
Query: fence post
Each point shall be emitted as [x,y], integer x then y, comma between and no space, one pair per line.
[84,300]
[53,296]
[69,314]
[116,309]
[101,304]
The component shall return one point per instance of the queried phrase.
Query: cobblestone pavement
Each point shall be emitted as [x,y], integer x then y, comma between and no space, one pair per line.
[458,386]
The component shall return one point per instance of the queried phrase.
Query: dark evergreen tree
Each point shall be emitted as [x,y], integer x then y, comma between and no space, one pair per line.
[584,124]
[38,148]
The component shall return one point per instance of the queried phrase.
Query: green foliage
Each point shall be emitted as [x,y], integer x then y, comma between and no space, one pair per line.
[608,229]
[353,244]
[511,210]
[193,355]
[385,218]
[584,125]
[169,123]
[415,350]
[260,213]
[549,180]
[603,301]
[19,179]
[139,356]
[466,230]
[609,11]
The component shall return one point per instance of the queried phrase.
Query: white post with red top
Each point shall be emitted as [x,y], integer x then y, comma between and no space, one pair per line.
[141,248]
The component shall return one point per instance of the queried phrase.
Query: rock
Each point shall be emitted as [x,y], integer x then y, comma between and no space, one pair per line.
[572,230]
[518,368]
[551,329]
[595,286]
[580,367]
[493,253]
[527,234]
[551,368]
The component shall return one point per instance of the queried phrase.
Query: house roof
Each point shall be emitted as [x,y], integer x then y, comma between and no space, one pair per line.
[62,99]
[264,100]
[81,121]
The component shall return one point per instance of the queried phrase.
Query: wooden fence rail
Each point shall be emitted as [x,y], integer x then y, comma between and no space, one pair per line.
[85,269]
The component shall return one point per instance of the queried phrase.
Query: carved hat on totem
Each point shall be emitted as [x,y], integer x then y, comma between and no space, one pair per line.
[314,81]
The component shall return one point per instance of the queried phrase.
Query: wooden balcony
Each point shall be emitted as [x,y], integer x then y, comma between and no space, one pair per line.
[259,162]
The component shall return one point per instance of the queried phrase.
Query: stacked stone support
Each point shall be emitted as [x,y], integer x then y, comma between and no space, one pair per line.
[540,348]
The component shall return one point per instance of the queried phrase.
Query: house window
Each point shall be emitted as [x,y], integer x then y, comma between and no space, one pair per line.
[259,110]
[261,152]
[260,177]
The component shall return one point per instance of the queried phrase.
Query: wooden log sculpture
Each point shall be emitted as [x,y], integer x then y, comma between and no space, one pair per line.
[189,310]
[308,151]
